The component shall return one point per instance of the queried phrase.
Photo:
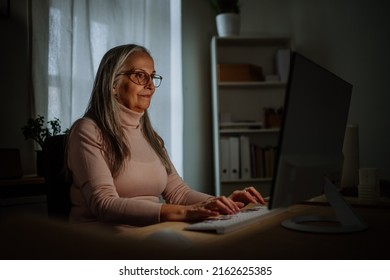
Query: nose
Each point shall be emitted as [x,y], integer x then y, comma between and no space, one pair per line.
[150,84]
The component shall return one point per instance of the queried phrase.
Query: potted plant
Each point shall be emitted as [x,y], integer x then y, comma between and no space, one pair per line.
[227,17]
[37,130]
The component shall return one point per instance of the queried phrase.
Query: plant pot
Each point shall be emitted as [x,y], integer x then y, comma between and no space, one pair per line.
[228,24]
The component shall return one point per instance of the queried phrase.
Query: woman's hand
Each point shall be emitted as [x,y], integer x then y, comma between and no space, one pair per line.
[247,195]
[211,207]
[184,213]
[221,205]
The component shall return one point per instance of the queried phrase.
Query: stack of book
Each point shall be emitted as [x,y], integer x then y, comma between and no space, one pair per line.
[263,161]
[241,159]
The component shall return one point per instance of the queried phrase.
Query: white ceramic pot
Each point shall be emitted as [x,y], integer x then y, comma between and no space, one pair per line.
[228,24]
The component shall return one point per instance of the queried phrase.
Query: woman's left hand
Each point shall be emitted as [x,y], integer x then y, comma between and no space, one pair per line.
[247,195]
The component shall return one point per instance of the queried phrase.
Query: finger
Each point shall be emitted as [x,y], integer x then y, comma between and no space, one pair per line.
[223,204]
[212,205]
[239,204]
[249,198]
[243,196]
[256,194]
[232,204]
[200,214]
[227,205]
[203,212]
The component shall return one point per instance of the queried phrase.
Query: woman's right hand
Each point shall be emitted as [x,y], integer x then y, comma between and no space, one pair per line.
[222,205]
[189,213]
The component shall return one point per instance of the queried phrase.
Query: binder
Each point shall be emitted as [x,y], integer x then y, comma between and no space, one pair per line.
[234,157]
[245,159]
[224,156]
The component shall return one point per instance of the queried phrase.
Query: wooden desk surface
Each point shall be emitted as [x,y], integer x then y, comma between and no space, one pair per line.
[267,239]
[25,186]
[25,180]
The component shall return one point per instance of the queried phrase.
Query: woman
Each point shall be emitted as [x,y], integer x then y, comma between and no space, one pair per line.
[118,163]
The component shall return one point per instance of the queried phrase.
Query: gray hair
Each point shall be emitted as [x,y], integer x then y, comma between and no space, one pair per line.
[104,109]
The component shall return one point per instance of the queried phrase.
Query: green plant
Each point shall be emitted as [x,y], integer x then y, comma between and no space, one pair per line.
[37,130]
[225,6]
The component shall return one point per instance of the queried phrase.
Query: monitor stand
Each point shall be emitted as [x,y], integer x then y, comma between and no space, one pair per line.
[345,220]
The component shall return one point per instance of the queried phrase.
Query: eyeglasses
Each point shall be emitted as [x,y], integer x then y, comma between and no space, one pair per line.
[140,77]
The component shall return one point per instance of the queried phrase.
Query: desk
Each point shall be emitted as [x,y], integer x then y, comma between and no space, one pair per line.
[265,240]
[27,194]
[269,240]
[25,186]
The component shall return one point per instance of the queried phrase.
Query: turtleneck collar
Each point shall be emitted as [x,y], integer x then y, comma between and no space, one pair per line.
[129,117]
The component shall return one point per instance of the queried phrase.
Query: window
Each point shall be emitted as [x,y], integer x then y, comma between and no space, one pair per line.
[66,58]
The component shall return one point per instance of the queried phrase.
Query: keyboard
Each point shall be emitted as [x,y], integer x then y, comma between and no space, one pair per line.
[228,223]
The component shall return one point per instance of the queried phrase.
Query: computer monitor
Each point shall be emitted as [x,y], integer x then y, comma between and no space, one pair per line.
[310,145]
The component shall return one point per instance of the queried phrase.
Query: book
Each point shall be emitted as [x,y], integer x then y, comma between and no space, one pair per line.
[258,162]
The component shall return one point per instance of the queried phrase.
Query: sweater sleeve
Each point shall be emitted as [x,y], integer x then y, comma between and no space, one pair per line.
[178,192]
[93,192]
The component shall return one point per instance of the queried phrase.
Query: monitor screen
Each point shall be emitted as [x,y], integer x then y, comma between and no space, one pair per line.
[312,133]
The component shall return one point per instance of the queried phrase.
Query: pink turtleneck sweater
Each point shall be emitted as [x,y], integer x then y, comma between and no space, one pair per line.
[134,196]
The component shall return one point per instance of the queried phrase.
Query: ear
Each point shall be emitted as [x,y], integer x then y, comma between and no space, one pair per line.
[115,88]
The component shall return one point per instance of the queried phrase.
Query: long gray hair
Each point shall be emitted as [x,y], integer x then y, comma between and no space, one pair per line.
[104,109]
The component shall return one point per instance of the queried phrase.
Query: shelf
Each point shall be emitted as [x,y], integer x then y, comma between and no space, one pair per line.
[249,130]
[253,84]
[238,109]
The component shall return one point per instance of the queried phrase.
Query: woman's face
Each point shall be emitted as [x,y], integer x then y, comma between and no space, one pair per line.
[130,94]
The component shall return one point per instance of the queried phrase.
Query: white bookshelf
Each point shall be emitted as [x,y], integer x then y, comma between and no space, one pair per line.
[238,106]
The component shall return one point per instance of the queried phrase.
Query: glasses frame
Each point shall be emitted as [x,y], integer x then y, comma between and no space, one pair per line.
[154,77]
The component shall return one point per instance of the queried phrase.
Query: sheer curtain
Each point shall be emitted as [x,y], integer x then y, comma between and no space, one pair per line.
[69,39]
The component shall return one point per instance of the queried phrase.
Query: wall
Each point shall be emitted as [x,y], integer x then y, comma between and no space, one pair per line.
[350,37]
[198,20]
[197,30]
[14,81]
